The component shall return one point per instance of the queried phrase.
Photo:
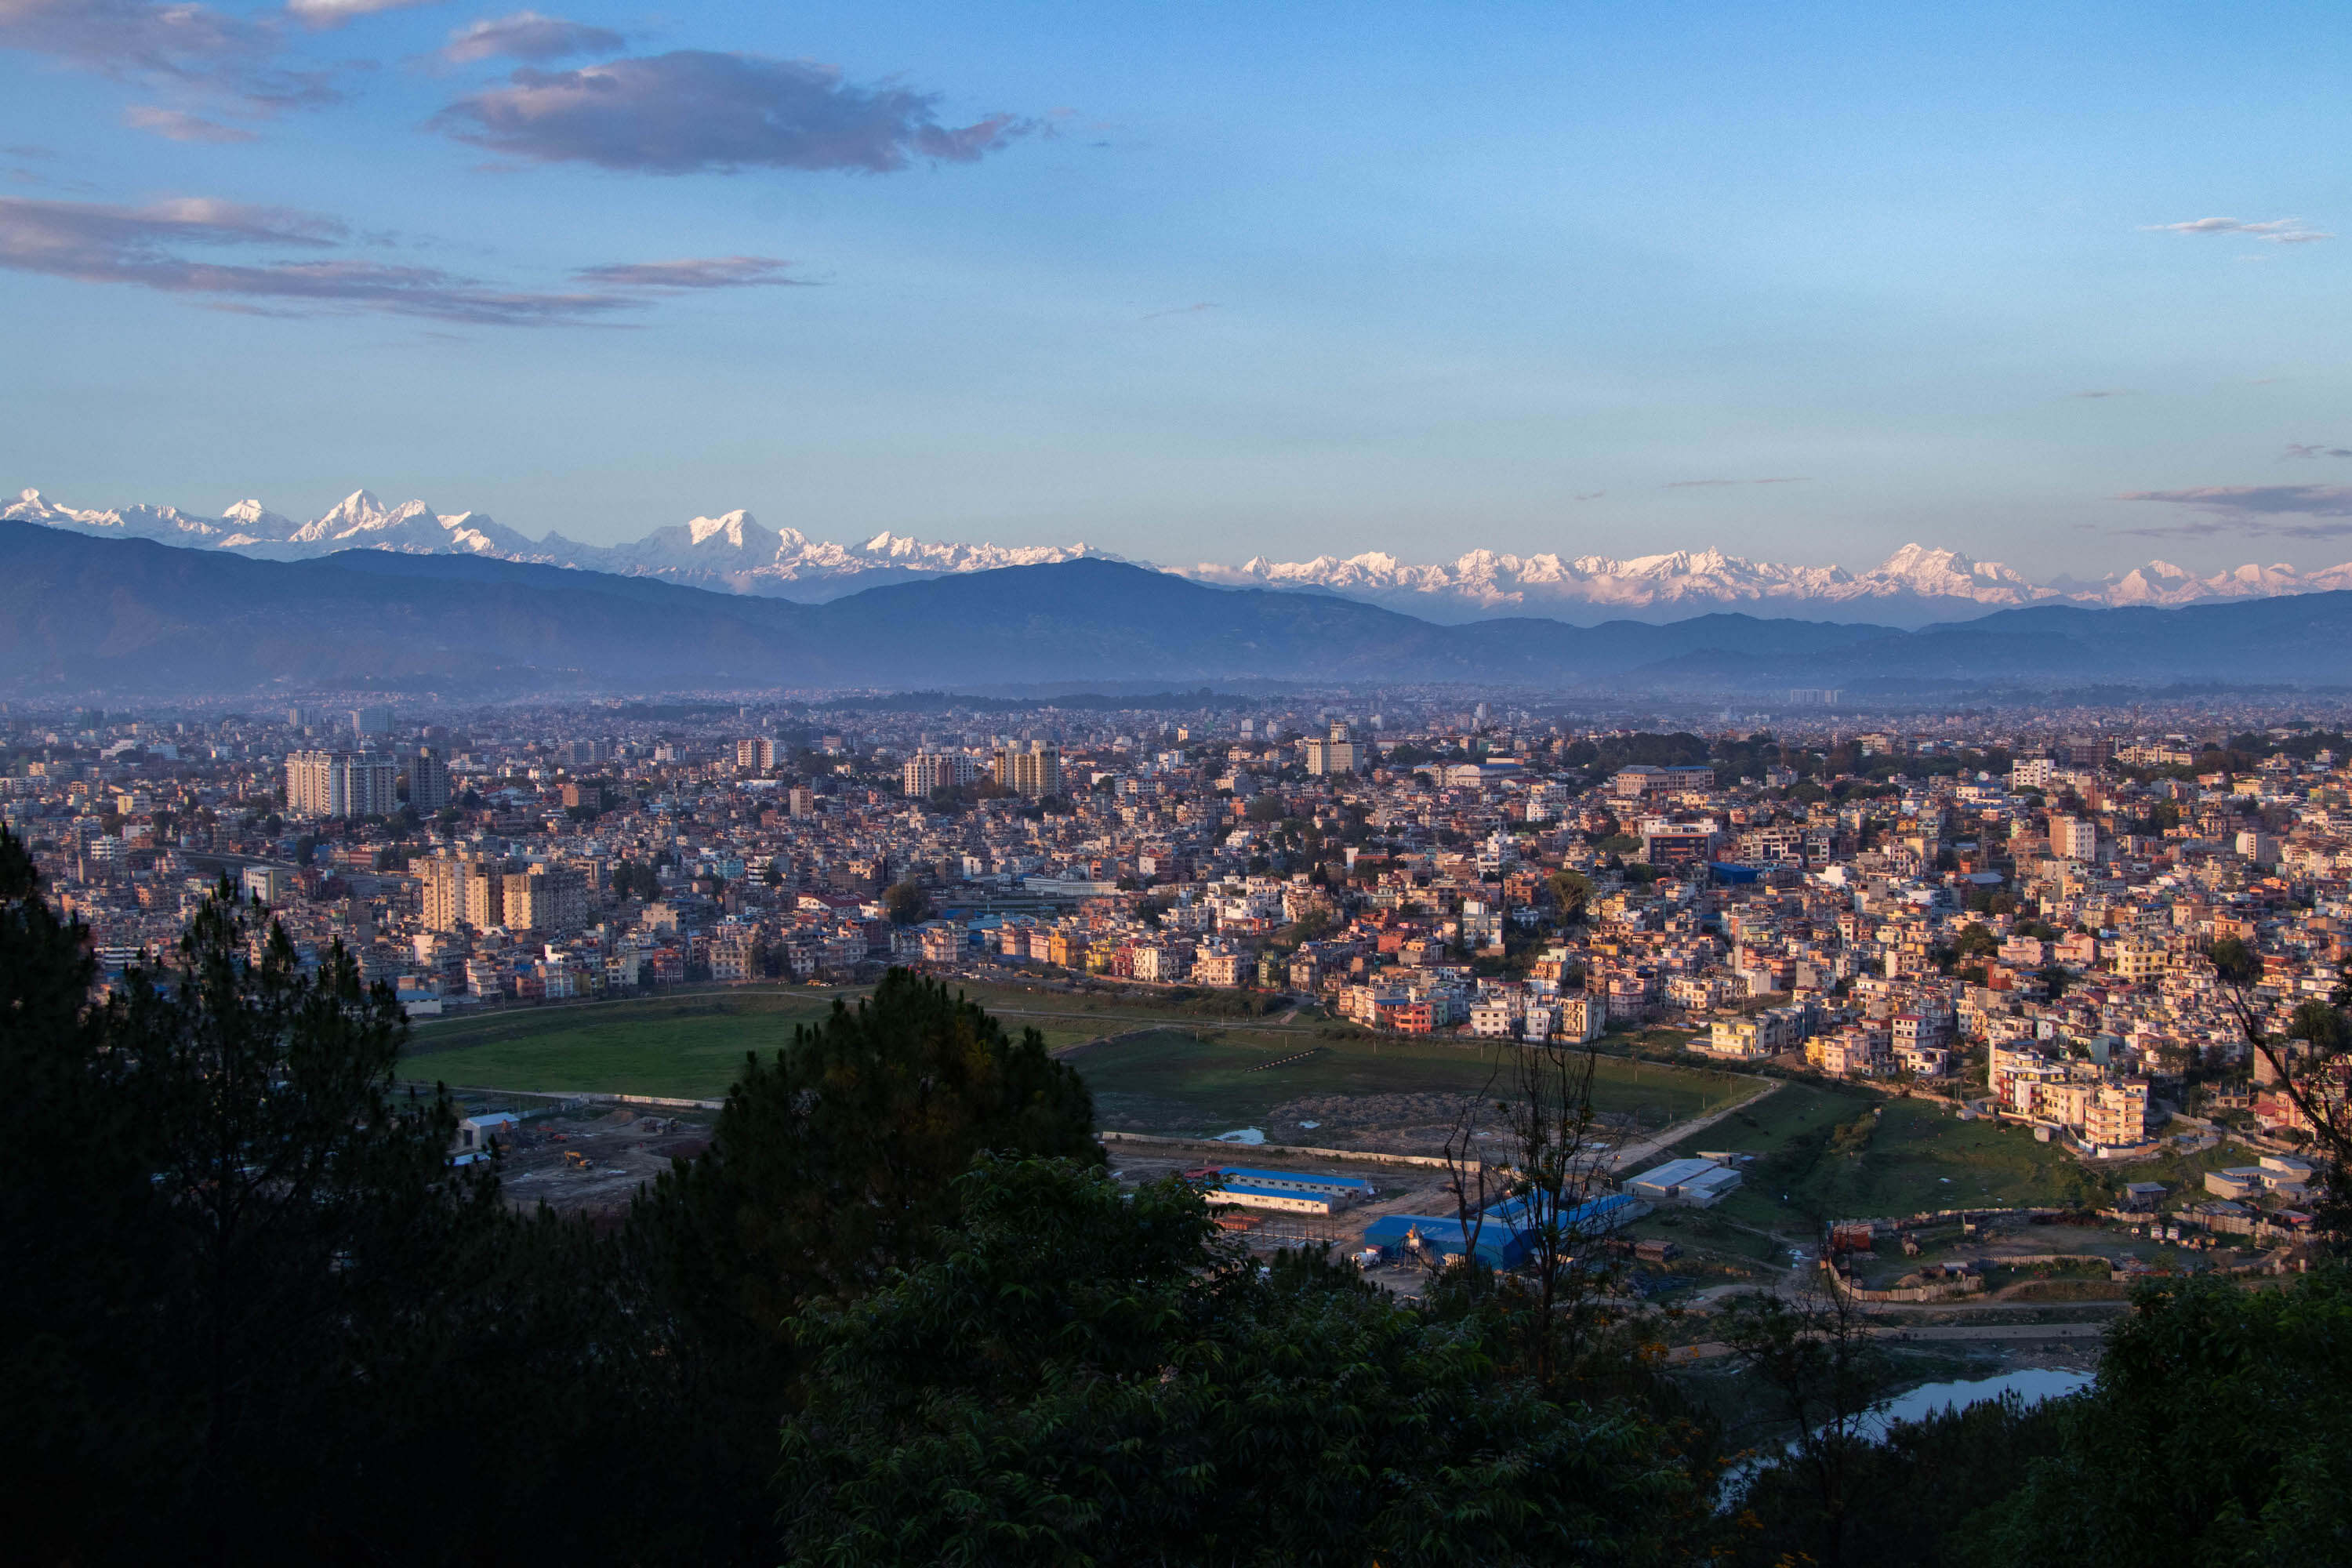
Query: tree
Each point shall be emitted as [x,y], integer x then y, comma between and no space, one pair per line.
[2217,1433]
[1911,1494]
[1571,891]
[232,1247]
[907,903]
[1085,1376]
[2309,1064]
[832,1161]
[1975,940]
[1826,1375]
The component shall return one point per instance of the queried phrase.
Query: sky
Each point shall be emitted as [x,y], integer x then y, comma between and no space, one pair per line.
[2057,285]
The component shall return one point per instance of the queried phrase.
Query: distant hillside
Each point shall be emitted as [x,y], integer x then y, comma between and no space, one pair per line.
[78,612]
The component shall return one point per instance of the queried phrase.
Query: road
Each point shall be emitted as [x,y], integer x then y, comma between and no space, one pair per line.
[1633,1154]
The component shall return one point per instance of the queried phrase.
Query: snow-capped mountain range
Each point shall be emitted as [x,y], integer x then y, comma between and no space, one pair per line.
[735,553]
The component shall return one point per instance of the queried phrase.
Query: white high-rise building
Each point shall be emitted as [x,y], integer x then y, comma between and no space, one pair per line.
[342,783]
[927,770]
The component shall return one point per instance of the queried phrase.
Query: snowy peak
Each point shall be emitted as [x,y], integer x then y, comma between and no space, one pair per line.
[733,551]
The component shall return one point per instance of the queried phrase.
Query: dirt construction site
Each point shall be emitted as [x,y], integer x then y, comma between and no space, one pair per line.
[591,1157]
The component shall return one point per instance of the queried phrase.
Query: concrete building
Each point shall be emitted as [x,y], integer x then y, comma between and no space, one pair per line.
[1696,1184]
[926,771]
[1033,773]
[758,753]
[1336,753]
[550,899]
[428,782]
[342,783]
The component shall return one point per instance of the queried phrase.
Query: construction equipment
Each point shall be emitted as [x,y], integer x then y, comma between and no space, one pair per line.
[573,1160]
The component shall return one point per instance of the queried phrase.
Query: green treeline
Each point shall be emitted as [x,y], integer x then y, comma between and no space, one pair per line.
[899,1312]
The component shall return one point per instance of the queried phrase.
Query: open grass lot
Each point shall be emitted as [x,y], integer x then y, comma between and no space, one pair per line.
[687,1047]
[1153,1065]
[1195,1079]
[1822,1155]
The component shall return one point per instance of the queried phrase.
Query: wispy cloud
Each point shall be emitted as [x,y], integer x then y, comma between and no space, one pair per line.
[694,111]
[2299,449]
[162,247]
[179,125]
[1181,311]
[2289,511]
[1710,484]
[2106,392]
[528,36]
[1590,495]
[321,15]
[694,272]
[188,45]
[2277,230]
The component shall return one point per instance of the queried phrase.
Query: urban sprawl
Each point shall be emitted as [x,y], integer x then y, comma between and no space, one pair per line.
[2014,913]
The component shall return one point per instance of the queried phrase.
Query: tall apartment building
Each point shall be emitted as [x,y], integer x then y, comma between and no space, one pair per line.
[2072,838]
[428,781]
[759,751]
[461,889]
[1337,754]
[927,770]
[342,783]
[800,802]
[1034,773]
[372,722]
[546,898]
[311,783]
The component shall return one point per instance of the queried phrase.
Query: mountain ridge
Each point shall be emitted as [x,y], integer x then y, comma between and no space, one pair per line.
[80,612]
[735,553]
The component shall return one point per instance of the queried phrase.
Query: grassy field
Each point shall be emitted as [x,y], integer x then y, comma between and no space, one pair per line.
[1195,1079]
[1821,1153]
[1152,1066]
[687,1047]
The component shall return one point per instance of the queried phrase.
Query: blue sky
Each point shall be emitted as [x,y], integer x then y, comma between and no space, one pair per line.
[1201,281]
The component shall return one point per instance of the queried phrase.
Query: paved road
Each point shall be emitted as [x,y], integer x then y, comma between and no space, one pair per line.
[1640,1153]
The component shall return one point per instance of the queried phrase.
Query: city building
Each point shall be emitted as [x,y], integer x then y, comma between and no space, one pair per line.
[1033,773]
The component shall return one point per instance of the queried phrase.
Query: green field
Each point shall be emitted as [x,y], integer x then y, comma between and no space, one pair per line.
[1152,1066]
[1195,1079]
[1822,1155]
[687,1047]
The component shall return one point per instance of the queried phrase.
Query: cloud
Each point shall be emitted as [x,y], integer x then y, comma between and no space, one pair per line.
[2298,449]
[321,15]
[187,45]
[2252,509]
[1181,311]
[149,248]
[2277,230]
[178,125]
[695,272]
[1710,484]
[528,36]
[692,111]
[2106,391]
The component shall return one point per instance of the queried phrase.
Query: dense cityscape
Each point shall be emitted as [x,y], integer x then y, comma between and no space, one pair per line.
[2009,909]
[1202,786]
